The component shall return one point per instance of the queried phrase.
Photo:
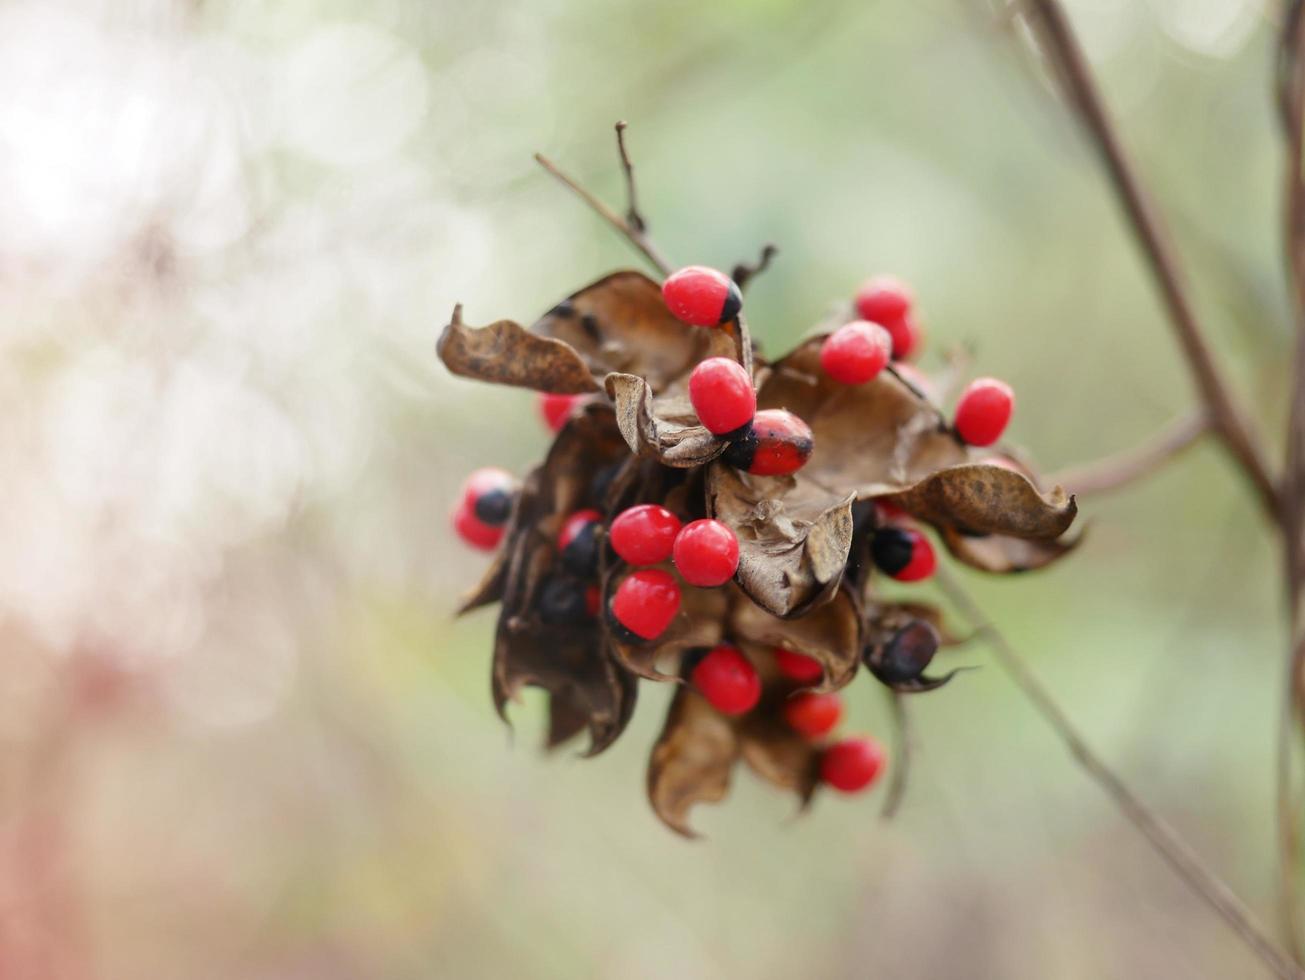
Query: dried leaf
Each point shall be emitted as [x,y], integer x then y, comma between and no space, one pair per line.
[621,324]
[997,553]
[983,499]
[491,586]
[691,761]
[567,718]
[830,633]
[793,537]
[663,426]
[506,353]
[769,745]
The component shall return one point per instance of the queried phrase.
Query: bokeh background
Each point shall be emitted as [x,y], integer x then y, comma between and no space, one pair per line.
[241,735]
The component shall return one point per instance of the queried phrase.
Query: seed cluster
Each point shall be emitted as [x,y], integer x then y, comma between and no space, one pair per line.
[710,518]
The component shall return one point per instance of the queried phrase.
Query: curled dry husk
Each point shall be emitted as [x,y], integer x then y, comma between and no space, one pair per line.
[804,580]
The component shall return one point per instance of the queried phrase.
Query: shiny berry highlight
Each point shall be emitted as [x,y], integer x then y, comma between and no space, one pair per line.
[722,395]
[856,352]
[644,534]
[706,553]
[701,296]
[646,602]
[984,410]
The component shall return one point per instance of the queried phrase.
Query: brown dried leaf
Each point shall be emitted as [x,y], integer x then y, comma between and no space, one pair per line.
[491,586]
[793,536]
[663,426]
[983,499]
[691,761]
[621,324]
[829,633]
[506,353]
[769,745]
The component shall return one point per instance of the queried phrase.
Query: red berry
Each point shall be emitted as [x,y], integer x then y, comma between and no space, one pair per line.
[706,553]
[488,494]
[856,352]
[883,300]
[646,602]
[577,542]
[852,764]
[983,411]
[556,409]
[722,395]
[474,531]
[644,534]
[904,553]
[777,443]
[813,715]
[906,336]
[702,296]
[798,666]
[727,679]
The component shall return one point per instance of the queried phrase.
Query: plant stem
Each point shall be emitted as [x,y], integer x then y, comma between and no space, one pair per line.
[1124,468]
[1180,857]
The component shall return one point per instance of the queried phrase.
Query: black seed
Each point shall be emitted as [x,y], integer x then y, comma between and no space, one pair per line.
[580,557]
[562,600]
[733,303]
[741,452]
[600,484]
[494,508]
[891,549]
[589,323]
[622,633]
[863,512]
[564,309]
[738,433]
[906,656]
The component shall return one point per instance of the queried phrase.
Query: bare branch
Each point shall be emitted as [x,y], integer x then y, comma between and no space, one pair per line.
[744,272]
[1180,857]
[635,236]
[1229,420]
[1124,468]
[632,213]
[903,744]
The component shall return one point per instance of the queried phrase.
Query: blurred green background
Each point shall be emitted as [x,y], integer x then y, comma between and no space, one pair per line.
[241,734]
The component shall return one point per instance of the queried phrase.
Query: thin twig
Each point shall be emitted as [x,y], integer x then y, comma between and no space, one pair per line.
[1124,468]
[1176,852]
[635,236]
[1228,419]
[901,756]
[745,272]
[632,213]
[1291,105]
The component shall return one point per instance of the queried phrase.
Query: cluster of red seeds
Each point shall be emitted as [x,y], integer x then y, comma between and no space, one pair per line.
[705,553]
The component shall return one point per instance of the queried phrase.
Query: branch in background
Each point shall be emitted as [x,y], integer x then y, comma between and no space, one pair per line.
[744,273]
[1291,106]
[632,227]
[1228,419]
[1122,469]
[1181,859]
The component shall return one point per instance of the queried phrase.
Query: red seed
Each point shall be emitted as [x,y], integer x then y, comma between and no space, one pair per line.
[706,553]
[906,335]
[646,602]
[488,494]
[644,534]
[722,395]
[813,715]
[852,764]
[702,296]
[798,666]
[474,531]
[777,443]
[856,352]
[883,300]
[727,679]
[556,409]
[983,411]
[904,553]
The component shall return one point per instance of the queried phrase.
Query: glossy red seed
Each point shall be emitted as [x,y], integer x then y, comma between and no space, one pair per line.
[644,534]
[706,553]
[722,395]
[983,411]
[922,561]
[852,764]
[856,352]
[574,525]
[556,409]
[474,531]
[812,715]
[883,300]
[907,337]
[727,679]
[702,296]
[798,666]
[777,443]
[646,601]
